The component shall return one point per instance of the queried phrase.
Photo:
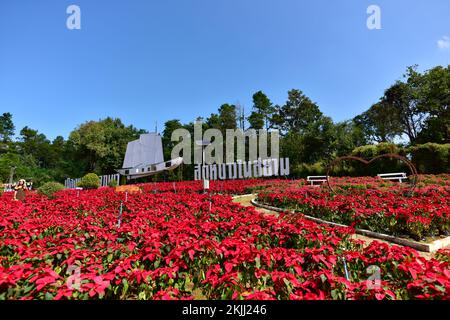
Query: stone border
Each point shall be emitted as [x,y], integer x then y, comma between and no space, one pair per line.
[426,247]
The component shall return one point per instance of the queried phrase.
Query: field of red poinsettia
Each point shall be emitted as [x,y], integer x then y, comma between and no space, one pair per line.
[180,244]
[372,204]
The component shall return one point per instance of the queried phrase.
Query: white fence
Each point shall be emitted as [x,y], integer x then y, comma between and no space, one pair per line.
[104,181]
[8,187]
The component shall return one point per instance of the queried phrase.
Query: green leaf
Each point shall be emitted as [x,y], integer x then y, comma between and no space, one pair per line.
[142,295]
[258,262]
[335,294]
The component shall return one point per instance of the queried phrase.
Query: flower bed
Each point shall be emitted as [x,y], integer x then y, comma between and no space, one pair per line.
[232,187]
[370,204]
[182,246]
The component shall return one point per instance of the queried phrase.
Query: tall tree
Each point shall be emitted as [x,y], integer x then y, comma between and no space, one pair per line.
[213,122]
[6,127]
[227,117]
[6,132]
[347,136]
[297,113]
[169,127]
[256,120]
[435,102]
[380,123]
[262,106]
[36,145]
[404,99]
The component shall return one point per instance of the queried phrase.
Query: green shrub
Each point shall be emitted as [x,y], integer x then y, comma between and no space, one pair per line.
[89,181]
[431,157]
[382,165]
[113,183]
[50,188]
[373,150]
[302,170]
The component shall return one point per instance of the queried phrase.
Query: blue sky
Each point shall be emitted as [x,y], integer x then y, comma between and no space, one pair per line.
[155,60]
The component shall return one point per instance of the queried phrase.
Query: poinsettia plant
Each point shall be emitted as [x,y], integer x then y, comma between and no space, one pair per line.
[189,245]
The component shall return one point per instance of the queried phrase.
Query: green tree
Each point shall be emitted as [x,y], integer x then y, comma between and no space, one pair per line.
[380,123]
[256,120]
[169,127]
[347,136]
[6,127]
[37,145]
[262,106]
[227,117]
[403,98]
[101,145]
[213,122]
[297,113]
[435,101]
[6,132]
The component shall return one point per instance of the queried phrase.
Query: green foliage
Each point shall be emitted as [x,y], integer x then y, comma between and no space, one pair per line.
[416,107]
[382,165]
[302,170]
[50,188]
[227,117]
[298,114]
[373,150]
[435,102]
[380,123]
[113,183]
[431,157]
[263,111]
[256,120]
[90,181]
[6,127]
[100,145]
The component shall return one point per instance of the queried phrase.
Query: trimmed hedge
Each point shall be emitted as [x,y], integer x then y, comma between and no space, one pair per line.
[431,158]
[373,150]
[89,181]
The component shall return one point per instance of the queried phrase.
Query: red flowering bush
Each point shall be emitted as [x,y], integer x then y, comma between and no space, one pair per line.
[185,245]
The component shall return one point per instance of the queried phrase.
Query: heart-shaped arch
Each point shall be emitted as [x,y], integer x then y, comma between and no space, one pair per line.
[410,165]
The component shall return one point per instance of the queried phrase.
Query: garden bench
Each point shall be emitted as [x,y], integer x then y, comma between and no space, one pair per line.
[393,176]
[313,179]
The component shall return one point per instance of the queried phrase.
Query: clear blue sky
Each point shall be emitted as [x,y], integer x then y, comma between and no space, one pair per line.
[155,60]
